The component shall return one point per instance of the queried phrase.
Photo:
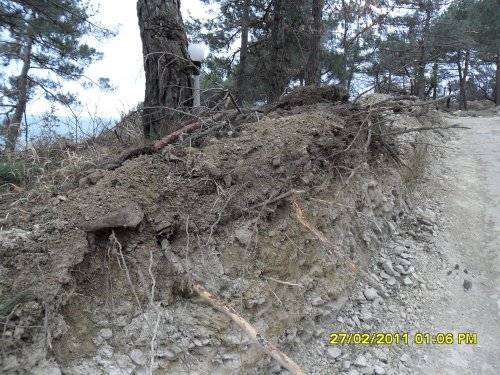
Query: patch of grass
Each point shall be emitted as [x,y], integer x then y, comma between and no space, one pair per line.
[11,171]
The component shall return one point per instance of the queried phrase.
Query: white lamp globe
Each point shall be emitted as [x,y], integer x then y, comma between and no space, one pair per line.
[196,52]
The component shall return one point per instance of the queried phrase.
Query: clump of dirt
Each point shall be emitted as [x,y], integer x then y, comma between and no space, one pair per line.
[106,300]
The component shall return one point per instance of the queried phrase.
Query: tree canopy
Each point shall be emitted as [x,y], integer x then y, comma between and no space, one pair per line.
[43,44]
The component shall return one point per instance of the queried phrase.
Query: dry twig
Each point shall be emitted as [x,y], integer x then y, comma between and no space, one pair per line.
[334,250]
[225,308]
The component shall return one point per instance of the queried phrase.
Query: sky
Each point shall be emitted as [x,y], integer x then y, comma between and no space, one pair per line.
[122,61]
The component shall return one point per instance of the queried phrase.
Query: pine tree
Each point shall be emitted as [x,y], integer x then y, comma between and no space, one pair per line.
[46,38]
[166,64]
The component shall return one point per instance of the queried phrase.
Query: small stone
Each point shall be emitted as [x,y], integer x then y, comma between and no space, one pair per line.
[356,320]
[346,365]
[317,301]
[228,180]
[384,275]
[404,262]
[405,358]
[467,284]
[276,161]
[399,249]
[106,333]
[380,355]
[354,372]
[407,281]
[370,294]
[410,270]
[333,353]
[391,281]
[387,266]
[379,370]
[366,315]
[105,351]
[399,268]
[361,361]
[138,357]
[340,319]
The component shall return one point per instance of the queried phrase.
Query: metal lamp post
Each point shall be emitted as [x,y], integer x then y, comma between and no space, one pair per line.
[197,54]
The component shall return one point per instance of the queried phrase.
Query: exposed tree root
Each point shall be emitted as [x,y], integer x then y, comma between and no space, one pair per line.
[334,250]
[228,310]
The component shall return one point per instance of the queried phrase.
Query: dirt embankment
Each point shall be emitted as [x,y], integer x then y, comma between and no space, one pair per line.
[106,300]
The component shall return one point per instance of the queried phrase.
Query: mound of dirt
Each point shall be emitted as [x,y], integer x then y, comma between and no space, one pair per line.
[107,300]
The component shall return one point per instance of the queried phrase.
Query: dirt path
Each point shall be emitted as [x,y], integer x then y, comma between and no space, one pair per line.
[469,242]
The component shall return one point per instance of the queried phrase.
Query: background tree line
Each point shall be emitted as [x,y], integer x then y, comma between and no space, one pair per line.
[417,47]
[260,49]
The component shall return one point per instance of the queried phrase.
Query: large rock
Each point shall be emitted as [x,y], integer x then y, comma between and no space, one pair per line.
[128,216]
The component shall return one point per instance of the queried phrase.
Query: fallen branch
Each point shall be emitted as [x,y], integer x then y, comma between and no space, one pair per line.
[225,308]
[189,128]
[334,250]
[455,126]
[274,200]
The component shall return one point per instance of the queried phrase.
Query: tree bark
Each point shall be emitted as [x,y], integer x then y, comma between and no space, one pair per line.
[22,98]
[424,51]
[241,79]
[462,78]
[497,82]
[167,65]
[313,69]
[276,78]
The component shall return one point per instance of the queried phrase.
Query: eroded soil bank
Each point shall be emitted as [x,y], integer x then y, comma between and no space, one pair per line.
[103,298]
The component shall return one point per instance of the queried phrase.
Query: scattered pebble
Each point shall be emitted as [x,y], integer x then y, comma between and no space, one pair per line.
[370,294]
[137,356]
[361,361]
[333,353]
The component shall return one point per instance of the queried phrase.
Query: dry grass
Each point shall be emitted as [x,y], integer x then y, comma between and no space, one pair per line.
[48,167]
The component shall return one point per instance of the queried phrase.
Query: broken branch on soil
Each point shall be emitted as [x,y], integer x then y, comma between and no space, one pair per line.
[455,126]
[189,128]
[225,308]
[274,200]
[334,250]
[287,283]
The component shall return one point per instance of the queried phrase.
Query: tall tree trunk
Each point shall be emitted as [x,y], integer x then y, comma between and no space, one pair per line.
[313,69]
[166,64]
[435,78]
[22,98]
[241,79]
[462,78]
[497,81]
[277,79]
[424,51]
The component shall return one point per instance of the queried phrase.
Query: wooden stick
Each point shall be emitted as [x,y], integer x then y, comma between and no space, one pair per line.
[334,250]
[186,129]
[455,126]
[223,307]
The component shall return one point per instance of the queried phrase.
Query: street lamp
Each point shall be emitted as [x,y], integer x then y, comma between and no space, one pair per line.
[197,54]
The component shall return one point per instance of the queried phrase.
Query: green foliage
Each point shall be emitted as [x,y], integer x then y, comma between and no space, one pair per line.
[49,40]
[9,304]
[11,171]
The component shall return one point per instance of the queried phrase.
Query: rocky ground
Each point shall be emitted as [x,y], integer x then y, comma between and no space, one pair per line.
[441,266]
[105,297]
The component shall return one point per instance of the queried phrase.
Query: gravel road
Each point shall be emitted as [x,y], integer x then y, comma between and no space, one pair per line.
[469,243]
